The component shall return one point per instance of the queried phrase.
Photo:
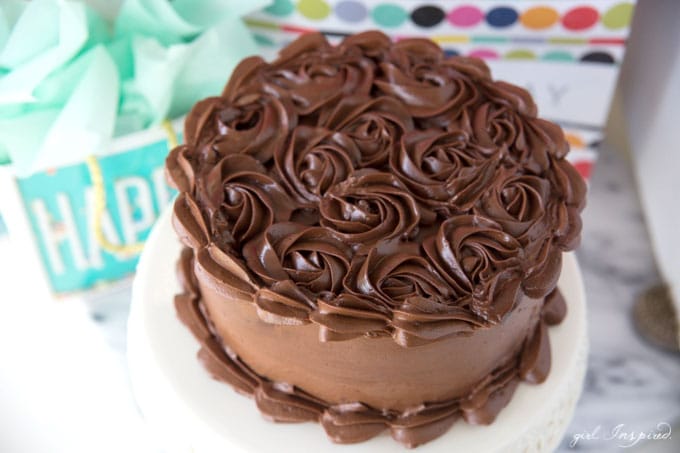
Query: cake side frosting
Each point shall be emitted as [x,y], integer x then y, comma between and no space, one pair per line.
[389,200]
[350,421]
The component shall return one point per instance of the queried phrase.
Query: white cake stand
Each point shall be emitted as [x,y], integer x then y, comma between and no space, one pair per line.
[191,412]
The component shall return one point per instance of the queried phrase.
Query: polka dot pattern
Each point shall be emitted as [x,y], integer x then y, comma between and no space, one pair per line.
[391,14]
[520,54]
[388,15]
[557,55]
[618,16]
[427,16]
[526,54]
[489,54]
[539,17]
[584,168]
[574,140]
[598,57]
[580,18]
[280,8]
[465,16]
[455,23]
[263,40]
[351,11]
[314,9]
[501,17]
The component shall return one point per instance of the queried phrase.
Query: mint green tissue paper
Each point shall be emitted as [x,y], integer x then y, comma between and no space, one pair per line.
[173,78]
[10,10]
[179,20]
[72,78]
[86,121]
[155,18]
[211,60]
[206,13]
[58,134]
[46,36]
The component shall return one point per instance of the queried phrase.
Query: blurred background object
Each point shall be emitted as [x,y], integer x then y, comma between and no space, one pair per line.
[650,96]
[656,317]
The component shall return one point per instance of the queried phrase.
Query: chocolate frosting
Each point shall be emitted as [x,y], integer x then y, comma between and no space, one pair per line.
[351,422]
[374,189]
[372,144]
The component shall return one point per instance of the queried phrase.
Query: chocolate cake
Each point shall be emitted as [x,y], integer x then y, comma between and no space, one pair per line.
[374,234]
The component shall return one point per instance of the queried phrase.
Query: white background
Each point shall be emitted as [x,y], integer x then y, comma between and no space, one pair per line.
[62,388]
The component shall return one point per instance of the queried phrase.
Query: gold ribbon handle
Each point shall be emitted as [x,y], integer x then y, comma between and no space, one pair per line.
[100,201]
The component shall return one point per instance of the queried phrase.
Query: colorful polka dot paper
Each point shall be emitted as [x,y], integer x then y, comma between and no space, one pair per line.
[566,52]
[555,30]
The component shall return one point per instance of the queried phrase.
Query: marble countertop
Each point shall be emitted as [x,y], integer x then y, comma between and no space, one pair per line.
[630,386]
[628,382]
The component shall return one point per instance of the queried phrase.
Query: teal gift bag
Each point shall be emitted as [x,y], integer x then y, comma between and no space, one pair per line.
[82,78]
[85,223]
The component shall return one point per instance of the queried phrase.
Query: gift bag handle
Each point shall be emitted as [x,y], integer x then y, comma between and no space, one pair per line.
[100,200]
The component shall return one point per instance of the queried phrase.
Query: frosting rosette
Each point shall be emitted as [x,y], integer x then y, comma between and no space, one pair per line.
[496,126]
[312,258]
[255,124]
[444,169]
[375,124]
[505,94]
[524,140]
[373,44]
[371,206]
[392,275]
[179,169]
[314,75]
[478,258]
[428,84]
[242,199]
[517,202]
[566,206]
[315,160]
